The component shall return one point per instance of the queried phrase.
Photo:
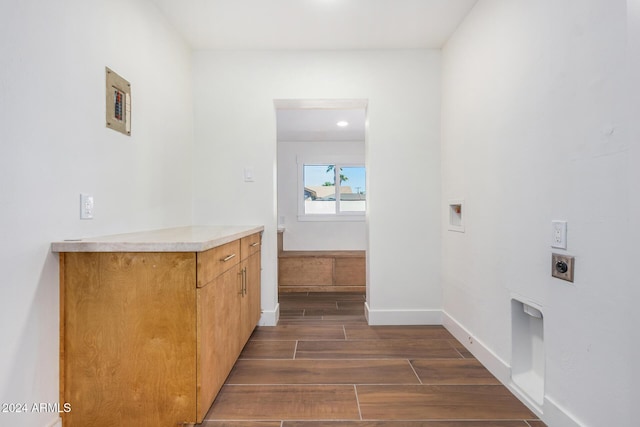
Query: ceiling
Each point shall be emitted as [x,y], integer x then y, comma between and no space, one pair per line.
[315,24]
[303,125]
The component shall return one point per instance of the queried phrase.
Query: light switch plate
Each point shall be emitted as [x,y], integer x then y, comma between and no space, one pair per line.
[248,175]
[456,215]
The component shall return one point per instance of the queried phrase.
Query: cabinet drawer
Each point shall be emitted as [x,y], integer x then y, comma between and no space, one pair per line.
[250,245]
[214,262]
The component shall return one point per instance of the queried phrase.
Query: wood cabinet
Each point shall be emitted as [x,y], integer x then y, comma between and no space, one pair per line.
[320,271]
[251,268]
[218,329]
[148,338]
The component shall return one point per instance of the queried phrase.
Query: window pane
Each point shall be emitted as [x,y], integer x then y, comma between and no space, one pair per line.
[353,189]
[319,189]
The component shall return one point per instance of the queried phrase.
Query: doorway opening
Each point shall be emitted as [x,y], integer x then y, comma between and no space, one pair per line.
[322,196]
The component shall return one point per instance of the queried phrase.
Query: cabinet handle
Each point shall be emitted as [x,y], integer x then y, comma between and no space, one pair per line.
[244,281]
[228,257]
[253,245]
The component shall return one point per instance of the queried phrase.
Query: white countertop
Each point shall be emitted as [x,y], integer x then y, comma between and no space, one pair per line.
[180,239]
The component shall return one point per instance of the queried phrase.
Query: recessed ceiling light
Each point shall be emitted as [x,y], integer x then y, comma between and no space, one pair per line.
[342,123]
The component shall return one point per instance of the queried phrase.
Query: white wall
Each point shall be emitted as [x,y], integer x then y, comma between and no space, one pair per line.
[536,127]
[55,145]
[632,290]
[235,127]
[315,235]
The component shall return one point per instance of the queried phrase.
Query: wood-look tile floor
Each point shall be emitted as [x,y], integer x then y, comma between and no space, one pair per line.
[323,366]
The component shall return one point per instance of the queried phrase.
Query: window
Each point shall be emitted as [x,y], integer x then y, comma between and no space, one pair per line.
[333,190]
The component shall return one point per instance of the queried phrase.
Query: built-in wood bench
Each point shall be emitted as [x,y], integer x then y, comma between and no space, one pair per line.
[320,271]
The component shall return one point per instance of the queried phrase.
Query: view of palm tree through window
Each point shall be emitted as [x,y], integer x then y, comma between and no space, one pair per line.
[323,196]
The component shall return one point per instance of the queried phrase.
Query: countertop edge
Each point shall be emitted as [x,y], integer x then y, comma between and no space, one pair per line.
[151,241]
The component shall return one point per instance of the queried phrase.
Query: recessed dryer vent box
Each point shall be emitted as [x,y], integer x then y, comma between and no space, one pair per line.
[528,349]
[118,96]
[456,215]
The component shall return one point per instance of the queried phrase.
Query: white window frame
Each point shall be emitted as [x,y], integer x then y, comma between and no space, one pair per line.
[338,162]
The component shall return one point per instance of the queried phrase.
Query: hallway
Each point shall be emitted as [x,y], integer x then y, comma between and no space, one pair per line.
[324,366]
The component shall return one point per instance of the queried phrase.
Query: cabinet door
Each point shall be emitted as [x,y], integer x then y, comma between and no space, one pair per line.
[305,271]
[218,330]
[350,271]
[251,307]
[128,338]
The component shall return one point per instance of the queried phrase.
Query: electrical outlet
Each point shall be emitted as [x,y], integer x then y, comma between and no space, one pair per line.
[562,267]
[86,206]
[559,234]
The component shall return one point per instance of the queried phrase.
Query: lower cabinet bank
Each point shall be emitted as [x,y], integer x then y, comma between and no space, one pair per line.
[152,323]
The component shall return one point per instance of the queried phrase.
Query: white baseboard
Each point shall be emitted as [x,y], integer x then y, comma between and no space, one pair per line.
[498,367]
[550,412]
[402,317]
[555,415]
[270,317]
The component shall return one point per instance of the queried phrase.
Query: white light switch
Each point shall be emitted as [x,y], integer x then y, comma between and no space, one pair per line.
[559,234]
[248,175]
[86,206]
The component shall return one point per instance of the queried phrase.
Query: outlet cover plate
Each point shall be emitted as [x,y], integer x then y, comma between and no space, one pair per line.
[86,206]
[559,236]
